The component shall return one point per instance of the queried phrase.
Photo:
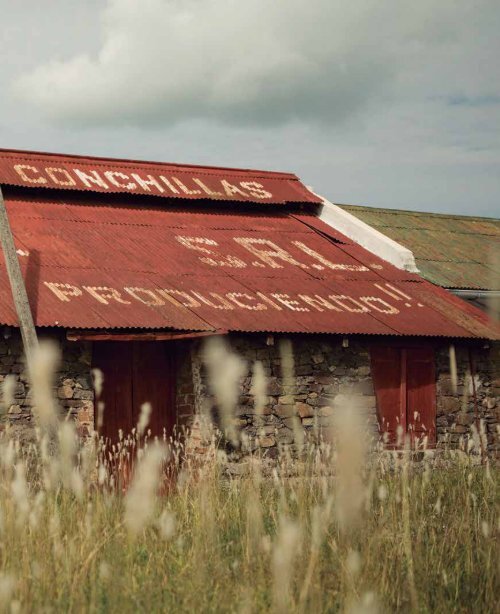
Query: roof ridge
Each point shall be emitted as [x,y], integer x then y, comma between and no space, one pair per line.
[137,161]
[429,213]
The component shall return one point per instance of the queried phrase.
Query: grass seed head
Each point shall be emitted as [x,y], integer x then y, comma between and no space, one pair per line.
[141,496]
[144,418]
[45,361]
[259,387]
[225,370]
[8,389]
[350,440]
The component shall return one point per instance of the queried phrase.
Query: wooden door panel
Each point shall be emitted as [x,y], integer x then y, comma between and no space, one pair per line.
[154,383]
[421,393]
[135,373]
[386,375]
[114,359]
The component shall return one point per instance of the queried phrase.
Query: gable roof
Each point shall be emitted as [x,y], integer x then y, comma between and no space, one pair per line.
[452,251]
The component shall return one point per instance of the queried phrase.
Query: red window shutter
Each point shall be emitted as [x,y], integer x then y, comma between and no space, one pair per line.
[421,393]
[386,375]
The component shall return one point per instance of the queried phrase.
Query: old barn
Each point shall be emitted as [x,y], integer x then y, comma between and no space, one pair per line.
[129,265]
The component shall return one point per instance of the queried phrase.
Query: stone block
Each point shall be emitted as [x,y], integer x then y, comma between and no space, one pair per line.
[449,405]
[284,436]
[284,411]
[65,391]
[86,395]
[273,386]
[267,441]
[465,419]
[292,422]
[268,429]
[304,410]
[458,428]
[489,403]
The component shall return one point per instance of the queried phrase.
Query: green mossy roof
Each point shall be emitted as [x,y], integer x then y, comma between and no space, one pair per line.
[453,251]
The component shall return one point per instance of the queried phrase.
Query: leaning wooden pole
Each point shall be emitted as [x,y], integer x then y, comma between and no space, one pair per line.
[19,294]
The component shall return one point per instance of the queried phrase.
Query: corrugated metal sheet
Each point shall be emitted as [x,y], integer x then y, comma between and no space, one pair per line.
[453,251]
[42,170]
[100,265]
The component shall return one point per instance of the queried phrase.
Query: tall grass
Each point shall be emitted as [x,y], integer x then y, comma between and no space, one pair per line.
[350,531]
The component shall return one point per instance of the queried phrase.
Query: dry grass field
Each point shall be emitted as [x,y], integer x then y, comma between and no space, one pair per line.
[346,532]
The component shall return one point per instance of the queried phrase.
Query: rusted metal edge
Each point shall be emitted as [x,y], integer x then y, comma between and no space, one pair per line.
[75,335]
[40,155]
[470,337]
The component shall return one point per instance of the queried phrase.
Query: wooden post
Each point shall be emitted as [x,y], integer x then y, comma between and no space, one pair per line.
[19,294]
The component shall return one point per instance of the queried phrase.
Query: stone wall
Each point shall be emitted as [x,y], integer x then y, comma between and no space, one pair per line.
[460,412]
[326,374]
[72,387]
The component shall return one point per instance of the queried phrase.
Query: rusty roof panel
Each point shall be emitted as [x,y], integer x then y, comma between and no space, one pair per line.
[171,181]
[453,251]
[113,265]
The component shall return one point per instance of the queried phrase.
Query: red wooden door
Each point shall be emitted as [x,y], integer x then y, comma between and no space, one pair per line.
[115,362]
[405,388]
[153,382]
[386,375]
[135,373]
[421,394]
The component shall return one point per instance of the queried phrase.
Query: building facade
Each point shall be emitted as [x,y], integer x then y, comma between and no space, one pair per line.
[130,266]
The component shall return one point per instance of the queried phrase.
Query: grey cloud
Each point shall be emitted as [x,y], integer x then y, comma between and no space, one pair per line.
[259,62]
[353,97]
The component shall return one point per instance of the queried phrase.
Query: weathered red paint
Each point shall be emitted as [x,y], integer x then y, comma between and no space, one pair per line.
[135,373]
[404,380]
[62,172]
[421,394]
[90,264]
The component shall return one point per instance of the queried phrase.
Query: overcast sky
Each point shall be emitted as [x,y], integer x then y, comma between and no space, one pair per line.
[388,103]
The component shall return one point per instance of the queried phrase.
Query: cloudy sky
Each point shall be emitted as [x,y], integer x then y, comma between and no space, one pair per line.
[390,103]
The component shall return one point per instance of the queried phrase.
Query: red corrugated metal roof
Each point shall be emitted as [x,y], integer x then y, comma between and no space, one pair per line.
[43,170]
[94,264]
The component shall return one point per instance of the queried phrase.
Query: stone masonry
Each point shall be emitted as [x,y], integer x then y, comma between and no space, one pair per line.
[325,374]
[328,371]
[73,385]
[474,405]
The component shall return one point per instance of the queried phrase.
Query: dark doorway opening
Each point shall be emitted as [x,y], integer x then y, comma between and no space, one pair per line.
[135,372]
[405,388]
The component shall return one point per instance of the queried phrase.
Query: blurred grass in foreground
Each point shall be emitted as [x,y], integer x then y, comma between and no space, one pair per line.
[347,530]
